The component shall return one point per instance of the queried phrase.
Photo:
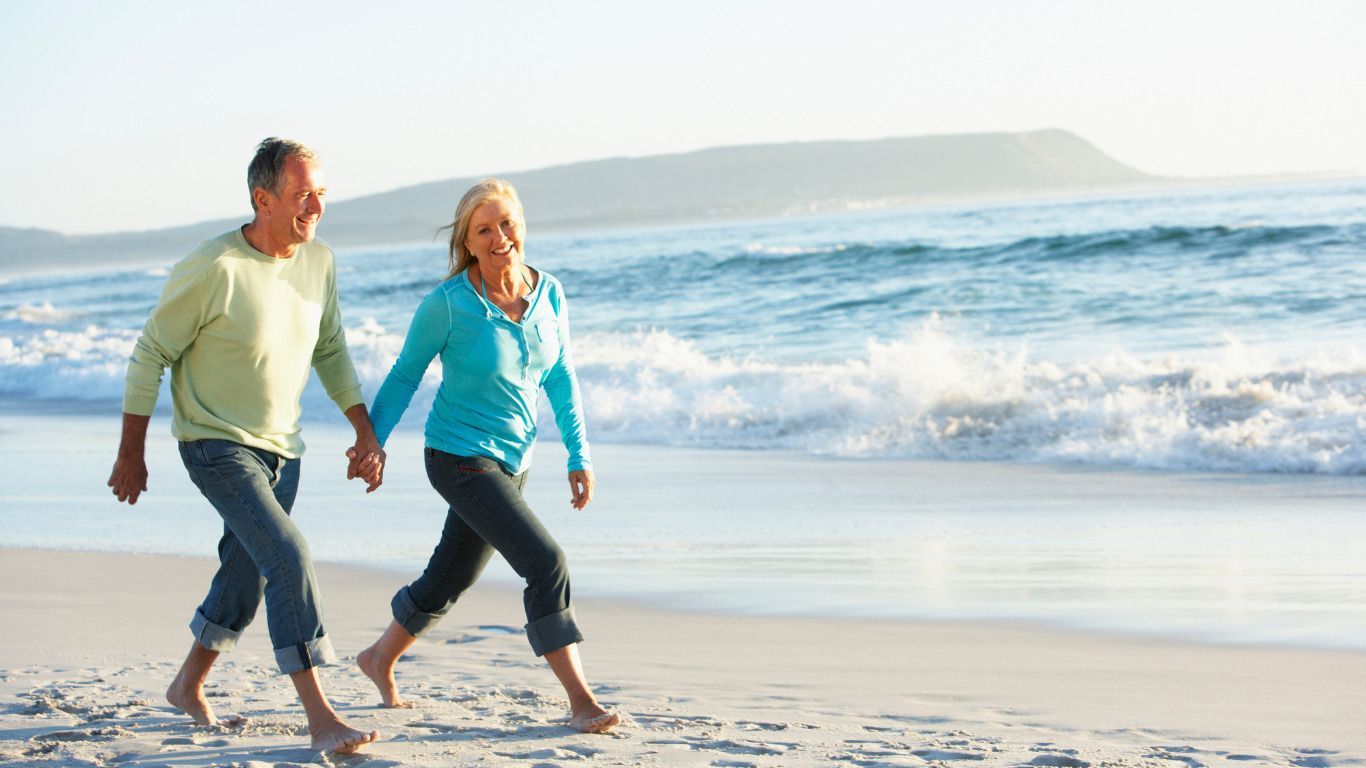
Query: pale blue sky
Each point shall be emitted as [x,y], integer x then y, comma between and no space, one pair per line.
[134,115]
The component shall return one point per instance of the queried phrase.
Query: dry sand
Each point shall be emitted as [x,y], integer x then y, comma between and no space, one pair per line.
[90,641]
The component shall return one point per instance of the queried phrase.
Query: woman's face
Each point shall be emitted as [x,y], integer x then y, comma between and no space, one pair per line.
[494,237]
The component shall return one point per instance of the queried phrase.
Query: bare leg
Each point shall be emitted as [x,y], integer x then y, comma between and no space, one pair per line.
[187,689]
[585,714]
[377,662]
[329,732]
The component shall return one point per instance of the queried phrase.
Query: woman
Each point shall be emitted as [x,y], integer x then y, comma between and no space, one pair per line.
[502,334]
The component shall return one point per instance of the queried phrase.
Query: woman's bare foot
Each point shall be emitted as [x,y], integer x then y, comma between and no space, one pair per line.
[383,678]
[592,718]
[339,738]
[189,698]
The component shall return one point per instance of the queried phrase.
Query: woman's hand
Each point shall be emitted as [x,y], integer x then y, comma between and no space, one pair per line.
[581,485]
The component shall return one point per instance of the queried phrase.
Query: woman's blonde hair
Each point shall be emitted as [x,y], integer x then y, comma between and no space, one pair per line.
[484,191]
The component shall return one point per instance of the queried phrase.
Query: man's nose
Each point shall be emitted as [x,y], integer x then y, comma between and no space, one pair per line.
[315,204]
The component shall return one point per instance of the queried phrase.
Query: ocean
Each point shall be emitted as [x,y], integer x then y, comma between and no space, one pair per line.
[1007,398]
[1218,330]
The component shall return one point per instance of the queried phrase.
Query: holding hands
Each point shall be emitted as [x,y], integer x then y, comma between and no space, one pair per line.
[367,463]
[365,459]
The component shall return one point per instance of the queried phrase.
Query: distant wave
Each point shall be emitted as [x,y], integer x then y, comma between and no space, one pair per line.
[1157,247]
[923,396]
[1214,242]
[42,313]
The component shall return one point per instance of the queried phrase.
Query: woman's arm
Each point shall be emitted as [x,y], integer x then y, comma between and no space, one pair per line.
[426,338]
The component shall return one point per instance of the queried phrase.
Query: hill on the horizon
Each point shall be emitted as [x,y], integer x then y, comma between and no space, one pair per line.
[725,182]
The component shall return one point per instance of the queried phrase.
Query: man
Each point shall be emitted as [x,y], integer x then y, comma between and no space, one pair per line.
[240,321]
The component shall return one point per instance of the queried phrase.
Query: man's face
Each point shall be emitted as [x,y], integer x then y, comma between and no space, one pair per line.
[293,214]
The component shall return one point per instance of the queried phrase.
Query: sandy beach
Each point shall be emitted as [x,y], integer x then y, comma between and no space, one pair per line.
[92,639]
[94,630]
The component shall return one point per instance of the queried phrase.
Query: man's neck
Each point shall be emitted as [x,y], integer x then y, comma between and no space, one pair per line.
[259,238]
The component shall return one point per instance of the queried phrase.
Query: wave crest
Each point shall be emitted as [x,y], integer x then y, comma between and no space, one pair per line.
[925,395]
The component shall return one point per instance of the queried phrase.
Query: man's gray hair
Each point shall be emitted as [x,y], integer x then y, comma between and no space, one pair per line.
[267,168]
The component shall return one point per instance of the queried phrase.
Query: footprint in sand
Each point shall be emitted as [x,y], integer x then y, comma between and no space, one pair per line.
[752,725]
[95,734]
[549,753]
[1313,758]
[736,747]
[946,754]
[1167,755]
[1059,761]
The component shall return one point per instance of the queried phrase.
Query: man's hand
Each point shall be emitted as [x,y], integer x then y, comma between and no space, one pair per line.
[581,485]
[129,478]
[368,466]
[366,458]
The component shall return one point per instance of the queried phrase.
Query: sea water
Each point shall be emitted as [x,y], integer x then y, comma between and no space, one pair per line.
[1218,330]
[1200,334]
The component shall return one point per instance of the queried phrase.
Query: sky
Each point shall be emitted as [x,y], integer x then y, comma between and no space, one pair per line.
[141,115]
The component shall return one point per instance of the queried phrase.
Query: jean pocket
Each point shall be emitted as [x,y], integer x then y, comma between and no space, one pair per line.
[206,453]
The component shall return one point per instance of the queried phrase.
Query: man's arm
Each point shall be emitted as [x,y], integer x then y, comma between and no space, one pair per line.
[129,478]
[366,457]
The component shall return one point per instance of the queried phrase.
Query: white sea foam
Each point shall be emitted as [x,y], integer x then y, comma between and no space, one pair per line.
[791,250]
[35,315]
[50,364]
[926,395]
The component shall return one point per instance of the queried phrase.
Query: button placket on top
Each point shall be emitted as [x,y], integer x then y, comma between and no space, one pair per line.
[494,313]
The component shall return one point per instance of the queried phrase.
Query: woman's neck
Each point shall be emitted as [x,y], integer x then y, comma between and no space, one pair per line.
[511,282]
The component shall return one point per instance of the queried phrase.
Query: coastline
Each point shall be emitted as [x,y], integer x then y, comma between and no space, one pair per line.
[94,636]
[105,632]
[1258,560]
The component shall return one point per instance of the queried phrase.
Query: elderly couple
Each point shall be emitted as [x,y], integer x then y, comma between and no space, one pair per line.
[240,322]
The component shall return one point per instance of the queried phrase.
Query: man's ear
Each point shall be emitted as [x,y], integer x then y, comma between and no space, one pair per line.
[262,199]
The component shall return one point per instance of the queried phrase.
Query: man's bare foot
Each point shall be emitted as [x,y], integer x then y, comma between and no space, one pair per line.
[339,738]
[383,678]
[593,718]
[189,698]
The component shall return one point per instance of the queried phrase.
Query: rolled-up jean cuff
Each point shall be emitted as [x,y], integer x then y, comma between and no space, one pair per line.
[553,632]
[412,618]
[302,656]
[214,637]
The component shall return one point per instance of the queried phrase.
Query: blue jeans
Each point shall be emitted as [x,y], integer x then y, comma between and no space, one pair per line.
[261,552]
[487,512]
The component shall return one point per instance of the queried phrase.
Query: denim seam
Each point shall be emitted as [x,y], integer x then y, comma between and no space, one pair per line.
[447,563]
[274,553]
[441,577]
[497,522]
[217,607]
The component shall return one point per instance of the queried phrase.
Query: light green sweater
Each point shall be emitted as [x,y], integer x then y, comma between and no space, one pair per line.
[239,330]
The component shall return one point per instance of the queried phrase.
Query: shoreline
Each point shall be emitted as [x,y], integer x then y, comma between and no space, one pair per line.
[504,585]
[695,688]
[1235,561]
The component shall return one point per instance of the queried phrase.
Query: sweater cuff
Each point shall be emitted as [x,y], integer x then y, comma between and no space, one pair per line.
[139,403]
[348,397]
